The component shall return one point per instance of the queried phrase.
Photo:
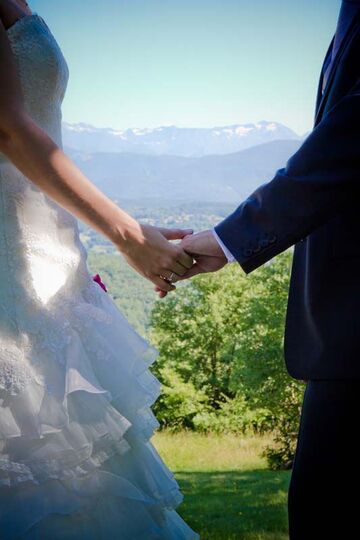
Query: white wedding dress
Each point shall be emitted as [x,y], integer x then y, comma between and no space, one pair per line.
[75,386]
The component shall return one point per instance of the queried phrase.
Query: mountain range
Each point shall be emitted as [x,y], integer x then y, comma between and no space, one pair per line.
[213,178]
[175,141]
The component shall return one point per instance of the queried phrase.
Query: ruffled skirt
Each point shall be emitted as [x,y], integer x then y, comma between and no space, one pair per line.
[76,461]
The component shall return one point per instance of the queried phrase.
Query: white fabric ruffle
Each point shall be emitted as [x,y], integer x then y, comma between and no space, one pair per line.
[76,460]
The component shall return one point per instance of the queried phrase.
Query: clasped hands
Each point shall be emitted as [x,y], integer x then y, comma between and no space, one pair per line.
[206,256]
[151,252]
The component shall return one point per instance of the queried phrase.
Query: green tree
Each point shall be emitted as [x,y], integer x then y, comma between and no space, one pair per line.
[260,369]
[196,331]
[223,335]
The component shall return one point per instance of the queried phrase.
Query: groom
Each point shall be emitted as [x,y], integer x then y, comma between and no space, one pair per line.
[313,203]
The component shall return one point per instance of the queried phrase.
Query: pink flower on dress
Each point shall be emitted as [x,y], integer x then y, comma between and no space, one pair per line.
[97,278]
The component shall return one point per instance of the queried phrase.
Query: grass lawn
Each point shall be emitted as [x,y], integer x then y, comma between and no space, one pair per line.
[229,494]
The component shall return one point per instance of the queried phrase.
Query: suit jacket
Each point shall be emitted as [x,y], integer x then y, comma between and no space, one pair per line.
[313,203]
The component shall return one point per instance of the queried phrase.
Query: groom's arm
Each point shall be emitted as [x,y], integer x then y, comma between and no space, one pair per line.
[318,181]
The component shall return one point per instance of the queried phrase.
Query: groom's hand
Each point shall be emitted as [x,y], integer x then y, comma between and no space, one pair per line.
[208,255]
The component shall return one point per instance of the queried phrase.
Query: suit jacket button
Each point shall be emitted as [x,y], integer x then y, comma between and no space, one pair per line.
[264,242]
[257,249]
[248,252]
[272,239]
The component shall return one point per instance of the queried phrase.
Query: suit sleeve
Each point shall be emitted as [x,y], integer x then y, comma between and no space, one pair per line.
[318,181]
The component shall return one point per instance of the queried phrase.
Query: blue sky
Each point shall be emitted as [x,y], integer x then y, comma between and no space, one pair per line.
[145,63]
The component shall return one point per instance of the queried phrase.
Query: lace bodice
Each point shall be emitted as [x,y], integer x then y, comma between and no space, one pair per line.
[43,72]
[42,260]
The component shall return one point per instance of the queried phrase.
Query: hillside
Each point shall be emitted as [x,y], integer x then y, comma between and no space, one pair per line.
[221,178]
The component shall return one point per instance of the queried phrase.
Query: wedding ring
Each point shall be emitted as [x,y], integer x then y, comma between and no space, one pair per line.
[168,279]
[171,277]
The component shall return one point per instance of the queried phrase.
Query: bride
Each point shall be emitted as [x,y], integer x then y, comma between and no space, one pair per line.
[76,461]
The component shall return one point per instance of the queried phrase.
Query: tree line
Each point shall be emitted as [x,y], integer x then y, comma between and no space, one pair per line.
[221,365]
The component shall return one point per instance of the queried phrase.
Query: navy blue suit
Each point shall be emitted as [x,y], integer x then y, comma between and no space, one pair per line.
[313,203]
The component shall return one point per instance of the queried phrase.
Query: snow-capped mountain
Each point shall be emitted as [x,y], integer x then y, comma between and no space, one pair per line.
[172,140]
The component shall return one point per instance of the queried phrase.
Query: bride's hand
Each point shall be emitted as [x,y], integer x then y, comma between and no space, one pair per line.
[148,250]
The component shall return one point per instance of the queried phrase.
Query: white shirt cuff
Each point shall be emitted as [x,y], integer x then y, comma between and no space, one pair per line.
[226,251]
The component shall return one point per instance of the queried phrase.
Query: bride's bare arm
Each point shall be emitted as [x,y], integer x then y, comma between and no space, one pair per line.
[37,156]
